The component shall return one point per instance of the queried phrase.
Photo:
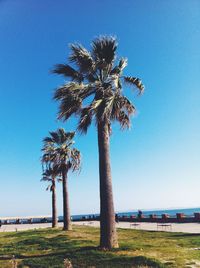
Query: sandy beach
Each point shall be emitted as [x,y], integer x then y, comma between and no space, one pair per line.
[174,227]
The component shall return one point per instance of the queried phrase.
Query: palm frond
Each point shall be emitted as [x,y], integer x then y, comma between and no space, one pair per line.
[119,68]
[72,90]
[47,140]
[55,137]
[122,108]
[82,58]
[91,77]
[104,108]
[44,178]
[126,104]
[69,106]
[68,71]
[103,49]
[134,81]
[62,135]
[46,158]
[75,159]
[66,90]
[123,119]
[85,120]
[70,136]
[71,98]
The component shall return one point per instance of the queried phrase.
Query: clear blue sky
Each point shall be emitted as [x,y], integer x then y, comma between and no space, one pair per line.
[156,163]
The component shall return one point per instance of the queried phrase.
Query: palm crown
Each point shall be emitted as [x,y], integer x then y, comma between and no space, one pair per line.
[49,175]
[94,90]
[58,148]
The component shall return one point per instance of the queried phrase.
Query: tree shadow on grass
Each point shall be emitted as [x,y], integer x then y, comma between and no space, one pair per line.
[91,258]
[35,251]
[186,235]
[32,232]
[37,246]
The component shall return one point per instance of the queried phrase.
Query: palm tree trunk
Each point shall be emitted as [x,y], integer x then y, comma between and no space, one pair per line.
[66,211]
[54,207]
[108,234]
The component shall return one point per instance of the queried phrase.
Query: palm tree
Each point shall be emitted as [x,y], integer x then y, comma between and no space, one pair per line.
[94,92]
[50,174]
[66,158]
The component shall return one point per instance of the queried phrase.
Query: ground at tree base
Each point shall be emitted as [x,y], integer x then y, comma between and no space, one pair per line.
[44,248]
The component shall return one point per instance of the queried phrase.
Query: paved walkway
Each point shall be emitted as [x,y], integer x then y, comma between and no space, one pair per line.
[174,227]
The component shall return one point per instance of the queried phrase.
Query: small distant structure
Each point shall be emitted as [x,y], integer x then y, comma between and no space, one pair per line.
[140,214]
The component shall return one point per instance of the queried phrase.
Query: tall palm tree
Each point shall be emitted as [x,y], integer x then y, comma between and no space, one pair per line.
[50,174]
[94,92]
[66,158]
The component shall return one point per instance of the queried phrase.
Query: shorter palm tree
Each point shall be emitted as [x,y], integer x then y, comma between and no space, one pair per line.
[66,158]
[51,175]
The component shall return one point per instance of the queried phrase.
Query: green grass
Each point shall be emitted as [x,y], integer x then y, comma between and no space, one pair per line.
[46,248]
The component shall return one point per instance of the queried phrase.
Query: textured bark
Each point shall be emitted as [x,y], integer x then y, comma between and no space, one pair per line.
[108,234]
[54,207]
[66,211]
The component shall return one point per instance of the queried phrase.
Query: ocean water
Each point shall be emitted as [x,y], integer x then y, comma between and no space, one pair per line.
[172,212]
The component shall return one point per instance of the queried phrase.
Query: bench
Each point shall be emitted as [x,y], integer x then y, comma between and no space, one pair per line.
[164,226]
[135,225]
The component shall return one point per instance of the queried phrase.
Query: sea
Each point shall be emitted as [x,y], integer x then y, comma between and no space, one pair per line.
[171,212]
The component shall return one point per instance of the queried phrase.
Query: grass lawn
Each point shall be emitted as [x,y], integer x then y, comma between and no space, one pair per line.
[47,248]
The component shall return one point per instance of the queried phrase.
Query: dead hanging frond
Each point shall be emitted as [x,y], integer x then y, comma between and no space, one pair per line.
[85,120]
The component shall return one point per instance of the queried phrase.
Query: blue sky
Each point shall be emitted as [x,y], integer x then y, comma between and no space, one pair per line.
[156,163]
